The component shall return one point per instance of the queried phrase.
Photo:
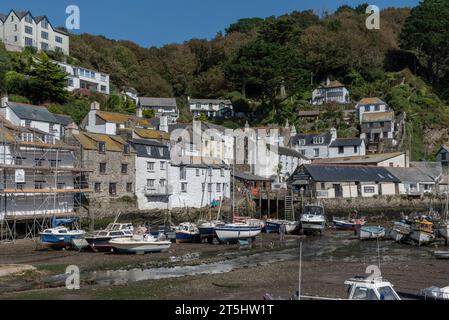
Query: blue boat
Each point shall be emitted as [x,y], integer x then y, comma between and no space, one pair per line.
[272,226]
[207,229]
[60,236]
[187,233]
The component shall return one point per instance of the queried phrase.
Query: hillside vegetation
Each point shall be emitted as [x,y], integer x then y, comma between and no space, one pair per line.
[405,63]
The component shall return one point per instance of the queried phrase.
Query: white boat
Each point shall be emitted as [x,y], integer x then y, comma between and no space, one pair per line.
[422,232]
[273,225]
[140,244]
[371,232]
[401,229]
[362,288]
[313,219]
[237,231]
[441,254]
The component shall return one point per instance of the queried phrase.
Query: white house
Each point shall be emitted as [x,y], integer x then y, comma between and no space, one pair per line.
[414,182]
[82,78]
[130,92]
[20,29]
[31,116]
[153,187]
[370,105]
[163,107]
[110,123]
[330,92]
[198,185]
[212,108]
[347,147]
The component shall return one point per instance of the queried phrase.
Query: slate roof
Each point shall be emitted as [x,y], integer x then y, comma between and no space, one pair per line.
[432,169]
[342,173]
[250,177]
[370,159]
[32,112]
[290,153]
[309,139]
[378,116]
[63,119]
[348,142]
[142,146]
[157,102]
[410,175]
[213,101]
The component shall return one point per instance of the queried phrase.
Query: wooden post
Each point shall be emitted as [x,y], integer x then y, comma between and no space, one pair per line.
[277,204]
[260,203]
[269,204]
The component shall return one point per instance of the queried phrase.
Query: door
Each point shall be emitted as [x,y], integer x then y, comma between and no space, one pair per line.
[338,191]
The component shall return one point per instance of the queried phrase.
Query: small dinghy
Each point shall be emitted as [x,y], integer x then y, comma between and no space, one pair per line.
[139,244]
[274,225]
[371,232]
[348,225]
[237,231]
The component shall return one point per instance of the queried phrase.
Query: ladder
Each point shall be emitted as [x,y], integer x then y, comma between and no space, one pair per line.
[289,210]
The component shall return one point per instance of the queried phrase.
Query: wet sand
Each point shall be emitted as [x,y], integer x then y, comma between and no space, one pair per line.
[269,266]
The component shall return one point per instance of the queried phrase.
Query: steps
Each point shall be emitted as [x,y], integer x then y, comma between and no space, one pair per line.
[289,210]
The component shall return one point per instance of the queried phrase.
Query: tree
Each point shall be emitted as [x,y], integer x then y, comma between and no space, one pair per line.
[5,65]
[426,32]
[47,81]
[245,25]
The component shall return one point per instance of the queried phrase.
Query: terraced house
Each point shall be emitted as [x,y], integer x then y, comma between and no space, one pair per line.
[20,29]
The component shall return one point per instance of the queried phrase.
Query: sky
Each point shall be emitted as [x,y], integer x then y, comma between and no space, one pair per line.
[158,22]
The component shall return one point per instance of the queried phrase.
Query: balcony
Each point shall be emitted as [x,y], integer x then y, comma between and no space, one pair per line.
[158,191]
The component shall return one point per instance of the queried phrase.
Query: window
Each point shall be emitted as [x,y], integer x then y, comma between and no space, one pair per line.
[27,137]
[323,186]
[103,77]
[371,125]
[103,88]
[60,185]
[162,165]
[126,149]
[129,187]
[301,142]
[318,140]
[15,38]
[150,183]
[44,35]
[368,189]
[44,24]
[39,185]
[210,172]
[19,186]
[18,161]
[356,149]
[49,139]
[149,151]
[377,108]
[28,29]
[202,186]
[162,183]
[28,42]
[182,173]
[44,46]
[52,127]
[113,189]
[103,168]
[28,18]
[302,152]
[382,124]
[38,162]
[386,293]
[124,168]
[150,166]
[218,187]
[316,152]
[222,172]
[209,187]
[12,18]
[197,172]
[97,187]
[28,123]
[58,49]
[101,147]
[54,163]
[58,39]
[184,187]
[341,150]
[361,293]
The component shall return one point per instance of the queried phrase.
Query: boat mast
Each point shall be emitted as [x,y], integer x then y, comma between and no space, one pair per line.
[233,179]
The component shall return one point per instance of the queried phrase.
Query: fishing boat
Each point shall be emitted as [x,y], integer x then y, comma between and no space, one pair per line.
[139,244]
[274,225]
[187,232]
[348,224]
[237,231]
[401,229]
[166,231]
[371,232]
[313,219]
[422,231]
[100,240]
[59,236]
[207,229]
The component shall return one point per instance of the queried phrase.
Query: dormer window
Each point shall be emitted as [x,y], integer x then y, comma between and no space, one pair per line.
[49,139]
[302,142]
[318,140]
[28,18]
[44,24]
[27,137]
[28,123]
[102,147]
[149,151]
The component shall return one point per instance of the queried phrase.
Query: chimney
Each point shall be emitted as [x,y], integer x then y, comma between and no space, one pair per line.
[72,129]
[95,106]
[328,81]
[5,100]
[293,131]
[163,126]
[139,112]
[333,132]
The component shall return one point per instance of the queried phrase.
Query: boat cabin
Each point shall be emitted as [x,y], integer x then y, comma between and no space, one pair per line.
[362,288]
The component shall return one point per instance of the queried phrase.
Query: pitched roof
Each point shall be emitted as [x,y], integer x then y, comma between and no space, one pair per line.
[63,119]
[151,134]
[346,142]
[372,159]
[32,112]
[3,17]
[157,150]
[157,102]
[327,137]
[332,84]
[432,169]
[410,175]
[213,101]
[373,100]
[90,141]
[341,173]
[290,153]
[378,116]
[250,177]
[121,118]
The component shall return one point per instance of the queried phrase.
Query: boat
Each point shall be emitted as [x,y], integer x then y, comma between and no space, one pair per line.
[422,231]
[168,232]
[364,288]
[60,236]
[441,254]
[348,225]
[313,219]
[139,244]
[207,229]
[274,225]
[371,232]
[100,240]
[237,231]
[187,232]
[401,229]
[443,230]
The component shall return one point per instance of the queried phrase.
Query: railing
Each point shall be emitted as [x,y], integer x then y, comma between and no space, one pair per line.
[158,191]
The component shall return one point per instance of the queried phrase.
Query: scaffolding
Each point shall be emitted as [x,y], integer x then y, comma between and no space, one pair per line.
[40,178]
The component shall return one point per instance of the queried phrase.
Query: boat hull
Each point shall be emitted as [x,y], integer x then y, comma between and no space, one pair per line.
[272,227]
[441,254]
[443,231]
[185,237]
[236,233]
[58,240]
[367,233]
[422,237]
[100,244]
